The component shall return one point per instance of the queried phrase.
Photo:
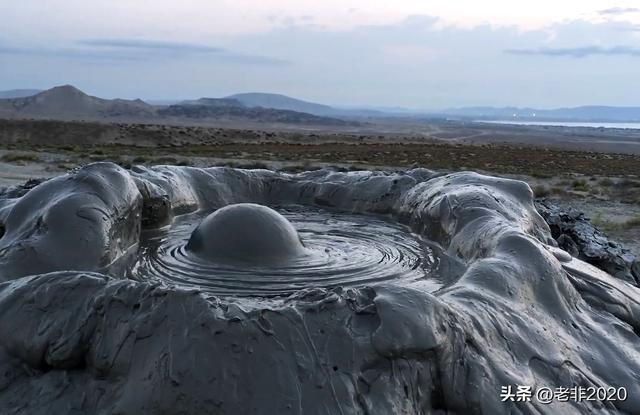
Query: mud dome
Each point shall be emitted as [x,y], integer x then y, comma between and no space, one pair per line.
[246,233]
[509,308]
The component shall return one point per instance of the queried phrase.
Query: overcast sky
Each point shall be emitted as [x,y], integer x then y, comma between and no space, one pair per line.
[410,53]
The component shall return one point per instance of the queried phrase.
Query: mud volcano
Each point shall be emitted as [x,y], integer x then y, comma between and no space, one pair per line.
[223,291]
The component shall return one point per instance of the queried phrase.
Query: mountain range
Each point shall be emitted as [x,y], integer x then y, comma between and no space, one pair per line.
[69,102]
[582,113]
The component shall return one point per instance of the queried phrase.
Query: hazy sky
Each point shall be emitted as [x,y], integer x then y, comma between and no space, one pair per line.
[412,53]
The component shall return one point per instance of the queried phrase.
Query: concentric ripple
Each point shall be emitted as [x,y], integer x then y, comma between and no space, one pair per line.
[344,250]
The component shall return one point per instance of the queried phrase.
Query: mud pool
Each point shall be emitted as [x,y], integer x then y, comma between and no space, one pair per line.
[342,249]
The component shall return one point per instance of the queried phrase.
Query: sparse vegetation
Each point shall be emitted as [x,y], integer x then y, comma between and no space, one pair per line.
[599,222]
[633,222]
[540,190]
[64,166]
[19,158]
[580,185]
[541,175]
[628,183]
[606,182]
[165,160]
[294,147]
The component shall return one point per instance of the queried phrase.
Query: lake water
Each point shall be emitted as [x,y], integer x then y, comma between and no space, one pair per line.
[625,125]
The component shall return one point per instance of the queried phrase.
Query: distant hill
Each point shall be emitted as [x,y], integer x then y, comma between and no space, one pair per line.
[19,93]
[226,110]
[214,102]
[283,102]
[595,113]
[67,102]
[268,108]
[583,113]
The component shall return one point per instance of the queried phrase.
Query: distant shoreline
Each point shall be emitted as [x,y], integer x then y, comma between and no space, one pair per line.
[611,125]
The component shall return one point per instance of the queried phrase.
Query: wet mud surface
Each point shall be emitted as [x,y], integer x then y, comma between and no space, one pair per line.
[438,290]
[341,250]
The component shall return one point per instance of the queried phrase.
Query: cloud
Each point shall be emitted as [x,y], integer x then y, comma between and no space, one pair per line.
[418,62]
[164,49]
[153,45]
[141,50]
[65,53]
[616,11]
[579,52]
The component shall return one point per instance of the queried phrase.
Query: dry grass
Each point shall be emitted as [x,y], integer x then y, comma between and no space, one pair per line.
[19,158]
[600,222]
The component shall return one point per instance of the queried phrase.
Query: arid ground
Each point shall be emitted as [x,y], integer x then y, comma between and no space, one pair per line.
[603,184]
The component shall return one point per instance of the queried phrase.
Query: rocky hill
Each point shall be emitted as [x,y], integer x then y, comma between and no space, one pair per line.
[235,112]
[283,102]
[68,102]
